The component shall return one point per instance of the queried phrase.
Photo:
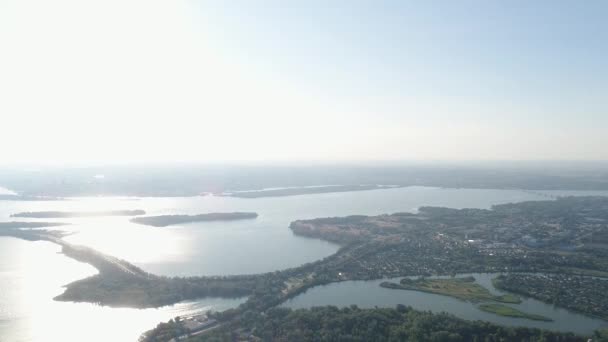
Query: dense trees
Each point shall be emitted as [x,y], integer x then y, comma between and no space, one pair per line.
[582,294]
[165,331]
[381,324]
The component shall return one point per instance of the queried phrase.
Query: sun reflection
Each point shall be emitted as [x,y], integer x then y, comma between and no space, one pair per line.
[35,272]
[38,273]
[120,238]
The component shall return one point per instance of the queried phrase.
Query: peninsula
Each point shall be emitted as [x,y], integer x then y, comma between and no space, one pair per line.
[122,284]
[168,220]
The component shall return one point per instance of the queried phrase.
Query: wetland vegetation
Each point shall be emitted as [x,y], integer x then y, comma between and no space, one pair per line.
[462,288]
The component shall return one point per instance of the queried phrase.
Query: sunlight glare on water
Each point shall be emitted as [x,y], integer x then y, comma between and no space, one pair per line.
[28,313]
[32,273]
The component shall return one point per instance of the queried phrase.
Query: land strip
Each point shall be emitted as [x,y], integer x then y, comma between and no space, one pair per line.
[122,284]
[168,220]
[69,214]
[305,190]
[507,311]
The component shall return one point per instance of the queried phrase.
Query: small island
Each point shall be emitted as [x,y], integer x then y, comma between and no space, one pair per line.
[461,288]
[69,214]
[168,220]
[507,311]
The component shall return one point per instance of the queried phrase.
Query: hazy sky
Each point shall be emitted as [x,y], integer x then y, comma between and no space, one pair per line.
[120,80]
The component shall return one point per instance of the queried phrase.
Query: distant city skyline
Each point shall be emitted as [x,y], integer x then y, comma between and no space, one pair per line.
[328,81]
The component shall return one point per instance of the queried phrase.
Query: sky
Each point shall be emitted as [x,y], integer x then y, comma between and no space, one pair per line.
[214,81]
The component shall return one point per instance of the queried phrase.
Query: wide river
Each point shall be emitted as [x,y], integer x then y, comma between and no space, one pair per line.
[32,273]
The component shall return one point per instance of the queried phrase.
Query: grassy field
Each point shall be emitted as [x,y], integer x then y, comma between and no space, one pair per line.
[461,288]
[508,311]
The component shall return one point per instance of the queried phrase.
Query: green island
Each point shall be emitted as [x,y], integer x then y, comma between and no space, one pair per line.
[508,311]
[461,288]
[69,214]
[168,220]
[329,323]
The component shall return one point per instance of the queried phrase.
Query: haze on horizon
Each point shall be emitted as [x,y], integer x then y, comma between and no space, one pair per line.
[192,81]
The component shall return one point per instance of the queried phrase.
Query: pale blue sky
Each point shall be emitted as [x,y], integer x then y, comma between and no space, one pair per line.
[542,54]
[304,80]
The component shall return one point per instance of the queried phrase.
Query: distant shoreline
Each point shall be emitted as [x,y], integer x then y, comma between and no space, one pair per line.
[294,191]
[69,214]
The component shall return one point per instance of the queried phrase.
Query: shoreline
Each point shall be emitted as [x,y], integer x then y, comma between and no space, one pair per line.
[119,283]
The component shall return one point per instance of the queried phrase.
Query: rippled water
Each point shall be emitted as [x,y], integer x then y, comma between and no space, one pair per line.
[31,274]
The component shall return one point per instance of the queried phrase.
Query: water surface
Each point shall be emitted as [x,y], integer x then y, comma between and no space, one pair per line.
[249,246]
[369,294]
[32,273]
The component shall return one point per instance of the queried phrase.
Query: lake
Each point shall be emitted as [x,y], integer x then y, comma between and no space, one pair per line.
[369,294]
[27,312]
